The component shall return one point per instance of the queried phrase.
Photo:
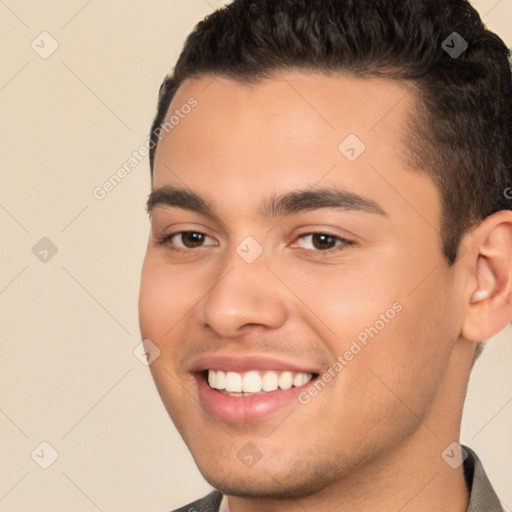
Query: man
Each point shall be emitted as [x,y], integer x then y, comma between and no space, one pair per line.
[331,242]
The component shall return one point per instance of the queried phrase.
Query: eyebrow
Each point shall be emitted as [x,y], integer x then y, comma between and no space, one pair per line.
[286,204]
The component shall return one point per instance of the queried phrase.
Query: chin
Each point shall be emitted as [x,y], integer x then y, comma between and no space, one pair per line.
[273,480]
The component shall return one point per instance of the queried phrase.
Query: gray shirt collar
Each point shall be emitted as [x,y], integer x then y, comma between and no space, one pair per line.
[482,497]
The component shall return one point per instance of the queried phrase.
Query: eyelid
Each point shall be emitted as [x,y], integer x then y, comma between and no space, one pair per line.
[168,229]
[161,214]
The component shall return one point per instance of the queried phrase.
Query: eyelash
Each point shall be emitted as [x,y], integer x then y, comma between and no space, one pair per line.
[165,240]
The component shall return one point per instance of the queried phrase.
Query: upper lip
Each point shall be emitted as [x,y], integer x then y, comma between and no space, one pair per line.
[241,364]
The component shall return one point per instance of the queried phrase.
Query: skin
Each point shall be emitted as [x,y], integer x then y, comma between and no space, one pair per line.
[372,438]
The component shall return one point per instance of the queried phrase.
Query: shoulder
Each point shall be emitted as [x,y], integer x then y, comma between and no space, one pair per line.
[210,503]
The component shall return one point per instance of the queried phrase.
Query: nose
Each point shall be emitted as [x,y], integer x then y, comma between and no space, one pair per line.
[243,294]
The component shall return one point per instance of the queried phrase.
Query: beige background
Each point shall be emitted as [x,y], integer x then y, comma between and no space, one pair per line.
[69,326]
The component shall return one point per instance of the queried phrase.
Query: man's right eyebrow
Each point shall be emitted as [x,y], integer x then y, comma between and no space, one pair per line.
[180,198]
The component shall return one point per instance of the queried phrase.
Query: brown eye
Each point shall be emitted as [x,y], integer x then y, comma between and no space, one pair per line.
[192,239]
[321,242]
[186,239]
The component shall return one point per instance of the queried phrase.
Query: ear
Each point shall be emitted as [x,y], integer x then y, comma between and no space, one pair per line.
[488,293]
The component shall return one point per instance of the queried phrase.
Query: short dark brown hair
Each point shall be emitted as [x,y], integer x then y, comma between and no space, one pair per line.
[461,132]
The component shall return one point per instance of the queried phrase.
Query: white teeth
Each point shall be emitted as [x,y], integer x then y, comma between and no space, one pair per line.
[286,380]
[217,380]
[299,379]
[251,382]
[220,380]
[233,382]
[270,381]
[212,379]
[255,381]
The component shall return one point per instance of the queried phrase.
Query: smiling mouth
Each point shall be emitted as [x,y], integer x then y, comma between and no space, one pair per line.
[255,382]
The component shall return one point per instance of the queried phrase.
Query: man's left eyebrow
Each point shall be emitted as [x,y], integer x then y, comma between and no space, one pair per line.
[286,204]
[308,200]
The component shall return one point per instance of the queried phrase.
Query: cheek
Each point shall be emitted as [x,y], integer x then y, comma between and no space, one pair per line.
[161,307]
[406,362]
[344,299]
[164,298]
[152,299]
[372,316]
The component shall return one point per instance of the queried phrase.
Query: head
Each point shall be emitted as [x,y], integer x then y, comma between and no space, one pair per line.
[350,119]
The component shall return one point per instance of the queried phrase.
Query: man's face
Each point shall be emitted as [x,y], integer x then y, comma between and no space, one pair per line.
[357,281]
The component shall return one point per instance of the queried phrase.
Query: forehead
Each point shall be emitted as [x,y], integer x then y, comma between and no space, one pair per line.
[293,130]
[274,118]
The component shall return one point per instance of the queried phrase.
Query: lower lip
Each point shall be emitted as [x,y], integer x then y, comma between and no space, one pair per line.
[249,408]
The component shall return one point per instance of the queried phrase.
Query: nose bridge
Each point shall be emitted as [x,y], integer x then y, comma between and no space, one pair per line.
[244,292]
